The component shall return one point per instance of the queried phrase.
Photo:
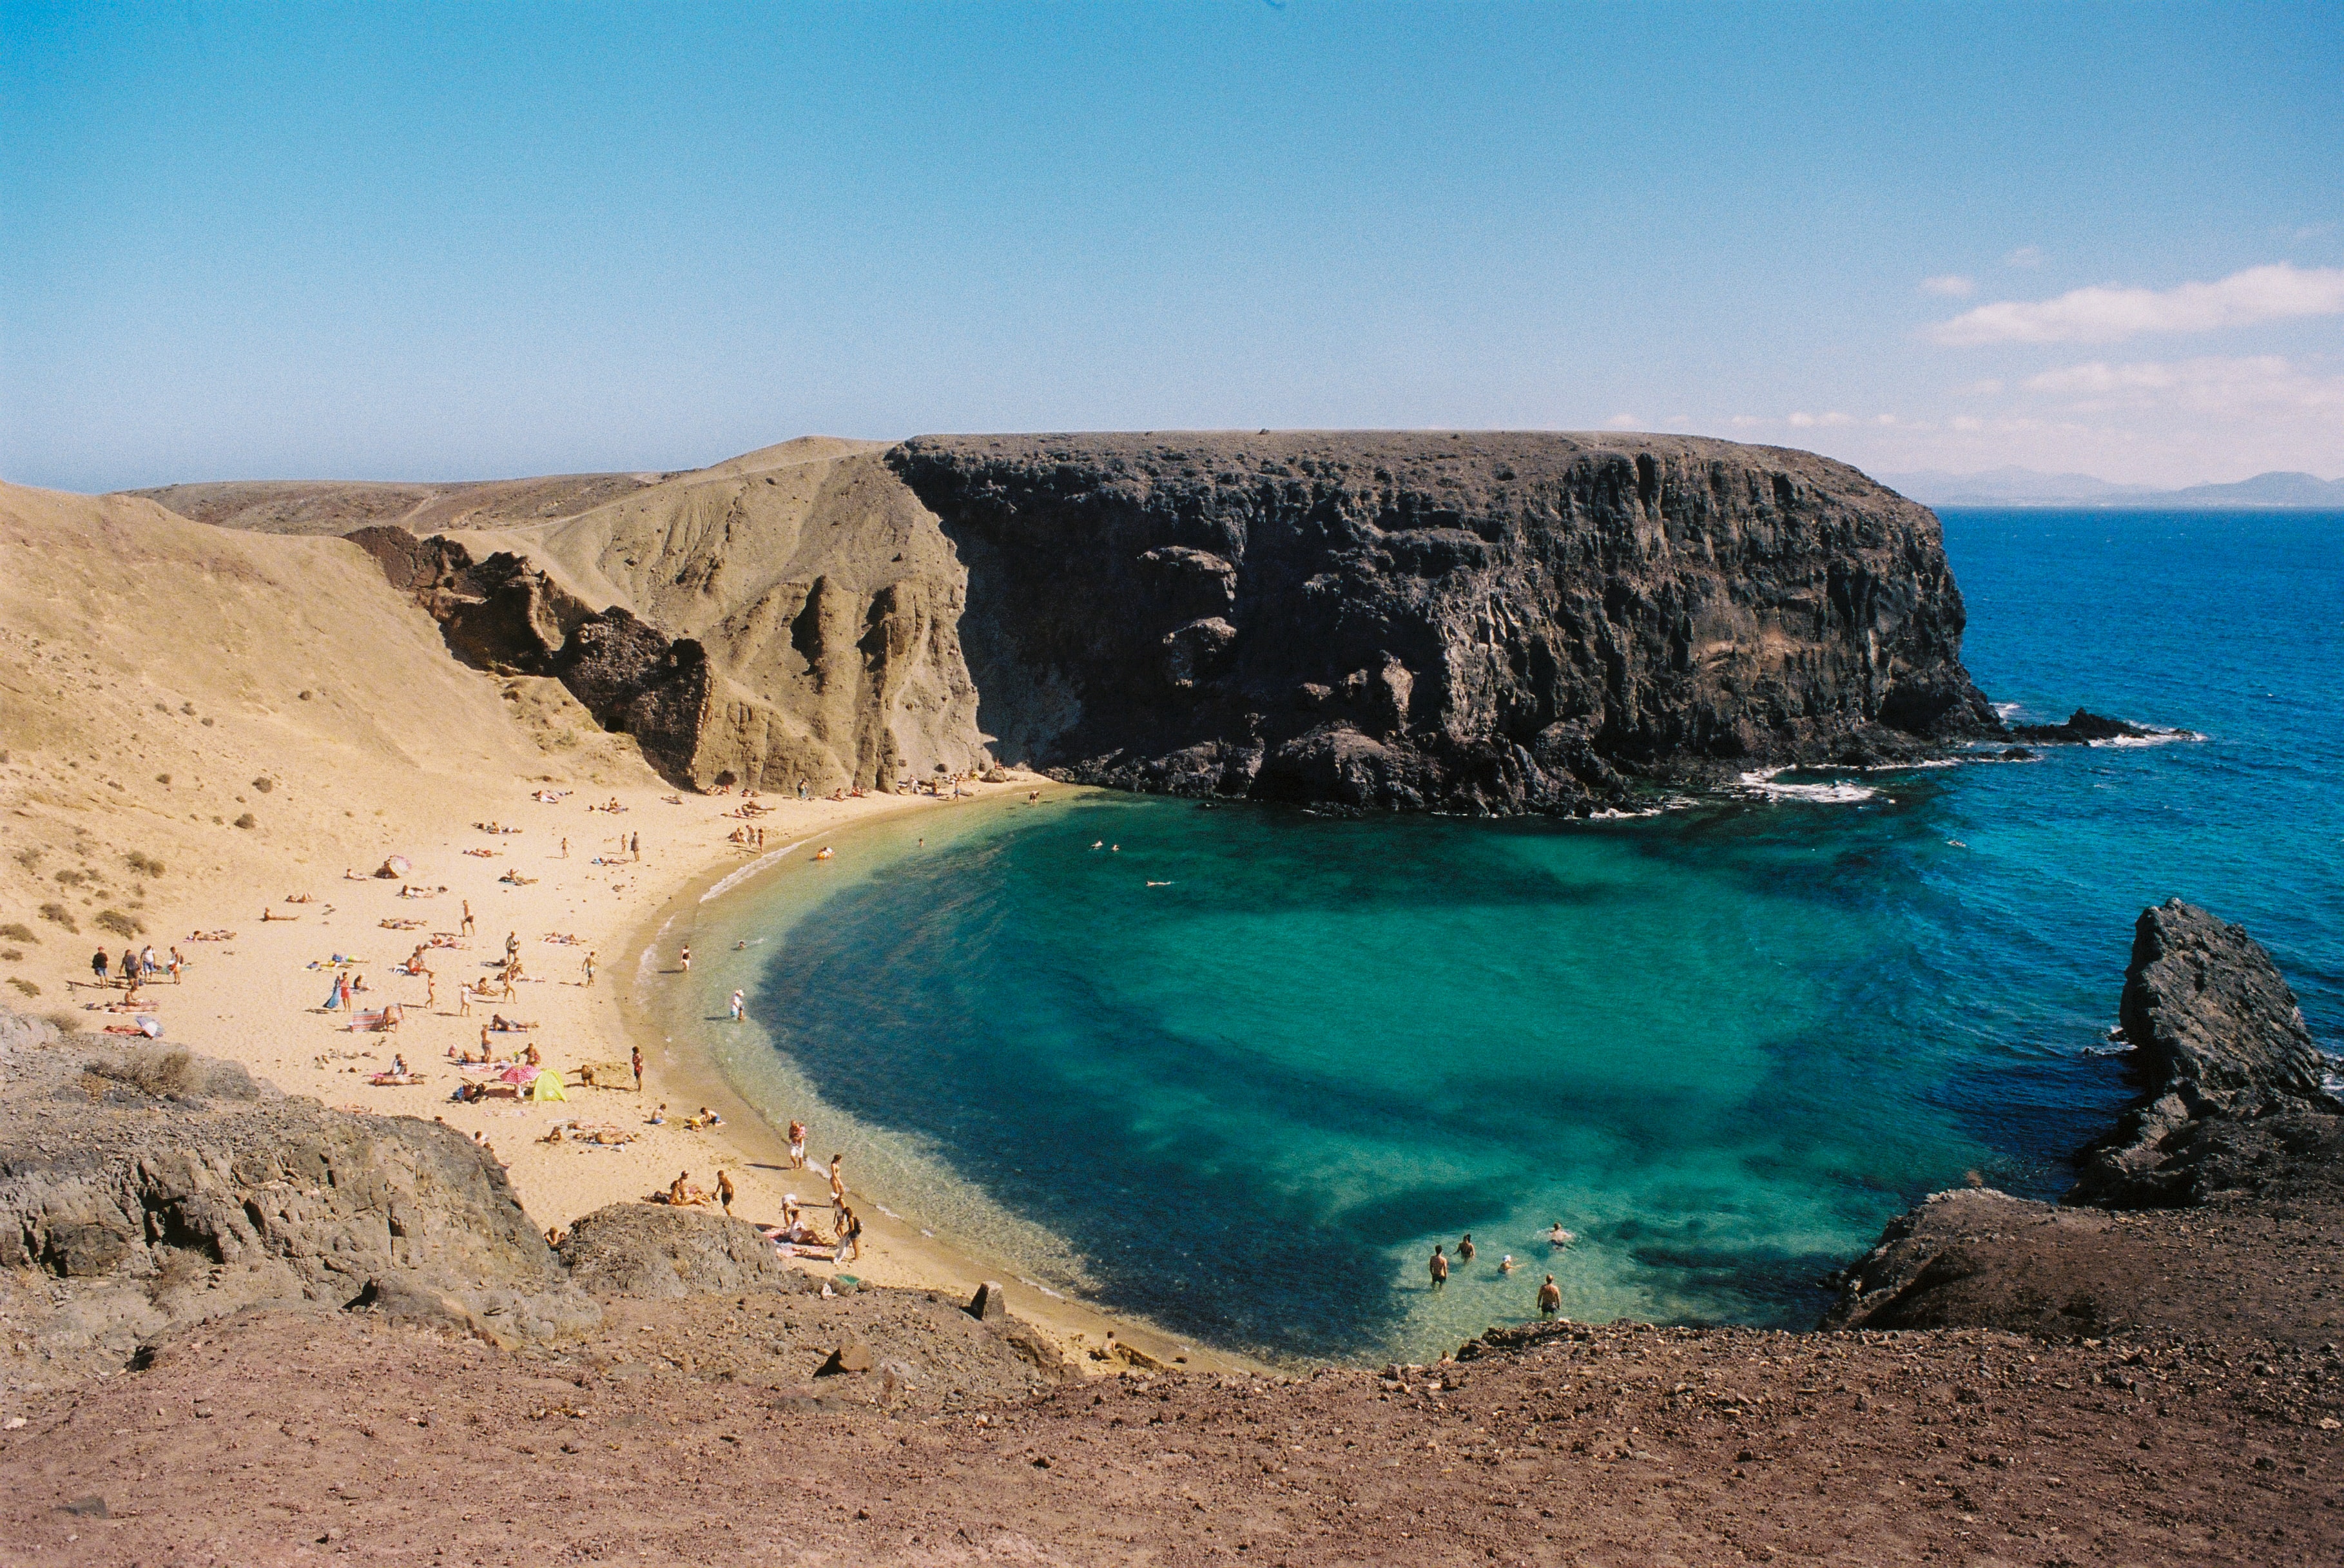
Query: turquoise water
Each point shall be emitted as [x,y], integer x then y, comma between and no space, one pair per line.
[1722,1045]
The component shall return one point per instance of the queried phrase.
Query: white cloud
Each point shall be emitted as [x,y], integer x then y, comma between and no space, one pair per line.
[2102,315]
[1812,421]
[1952,284]
[1623,423]
[2216,386]
[2024,256]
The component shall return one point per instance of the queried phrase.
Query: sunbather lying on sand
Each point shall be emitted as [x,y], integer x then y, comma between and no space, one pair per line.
[505,1026]
[268,914]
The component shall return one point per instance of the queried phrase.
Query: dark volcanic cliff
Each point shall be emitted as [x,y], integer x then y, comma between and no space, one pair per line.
[1476,622]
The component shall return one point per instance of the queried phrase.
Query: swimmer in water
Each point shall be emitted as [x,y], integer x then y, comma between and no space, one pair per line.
[1099,844]
[1558,1236]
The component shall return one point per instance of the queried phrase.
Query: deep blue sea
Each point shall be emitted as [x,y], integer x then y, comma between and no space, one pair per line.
[1722,1045]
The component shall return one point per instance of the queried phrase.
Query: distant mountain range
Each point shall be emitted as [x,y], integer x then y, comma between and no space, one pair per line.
[2025,487]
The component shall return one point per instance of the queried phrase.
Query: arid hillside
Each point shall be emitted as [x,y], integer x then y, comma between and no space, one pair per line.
[183,706]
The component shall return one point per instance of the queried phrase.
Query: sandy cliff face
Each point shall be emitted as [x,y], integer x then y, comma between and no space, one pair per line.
[789,617]
[1499,621]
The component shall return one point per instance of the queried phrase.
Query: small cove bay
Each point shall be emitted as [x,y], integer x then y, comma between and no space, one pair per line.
[1239,1074]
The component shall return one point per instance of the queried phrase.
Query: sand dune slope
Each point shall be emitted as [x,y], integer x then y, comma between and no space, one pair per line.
[226,705]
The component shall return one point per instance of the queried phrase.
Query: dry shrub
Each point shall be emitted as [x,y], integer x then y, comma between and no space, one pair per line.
[24,984]
[18,931]
[144,864]
[58,914]
[121,924]
[157,1071]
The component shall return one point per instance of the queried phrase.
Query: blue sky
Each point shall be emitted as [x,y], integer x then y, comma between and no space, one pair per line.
[417,241]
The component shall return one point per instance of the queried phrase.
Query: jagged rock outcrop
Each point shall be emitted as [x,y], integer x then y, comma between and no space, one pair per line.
[1477,622]
[158,1188]
[2226,1058]
[2234,1117]
[2084,727]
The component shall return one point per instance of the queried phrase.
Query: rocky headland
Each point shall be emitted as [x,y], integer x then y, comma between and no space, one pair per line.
[1485,622]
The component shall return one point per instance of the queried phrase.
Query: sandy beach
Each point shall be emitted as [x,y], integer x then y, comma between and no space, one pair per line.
[278,785]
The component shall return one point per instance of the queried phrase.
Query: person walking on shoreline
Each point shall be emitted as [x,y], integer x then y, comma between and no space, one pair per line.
[635,1060]
[1438,1265]
[685,958]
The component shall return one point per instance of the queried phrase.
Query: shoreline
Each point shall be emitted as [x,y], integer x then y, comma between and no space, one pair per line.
[897,1250]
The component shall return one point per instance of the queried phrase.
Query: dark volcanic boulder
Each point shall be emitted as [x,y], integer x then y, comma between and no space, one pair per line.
[2082,727]
[2226,1058]
[1477,622]
[2211,1016]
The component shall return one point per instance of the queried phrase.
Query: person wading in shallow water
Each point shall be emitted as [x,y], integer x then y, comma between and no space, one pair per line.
[1465,1249]
[1440,1267]
[1550,1298]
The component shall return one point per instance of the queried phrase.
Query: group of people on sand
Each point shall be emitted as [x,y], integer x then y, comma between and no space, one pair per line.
[1550,1294]
[137,967]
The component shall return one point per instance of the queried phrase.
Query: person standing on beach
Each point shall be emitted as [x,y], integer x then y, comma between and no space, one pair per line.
[635,1059]
[636,845]
[99,965]
[724,1189]
[1440,1267]
[1550,1298]
[837,1182]
[685,958]
[737,1004]
[466,928]
[178,963]
[565,849]
[589,968]
[797,1145]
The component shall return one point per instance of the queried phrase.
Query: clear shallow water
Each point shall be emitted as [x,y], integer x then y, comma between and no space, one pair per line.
[1723,1045]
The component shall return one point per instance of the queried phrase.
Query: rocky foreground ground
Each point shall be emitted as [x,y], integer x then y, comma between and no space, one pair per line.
[2150,1377]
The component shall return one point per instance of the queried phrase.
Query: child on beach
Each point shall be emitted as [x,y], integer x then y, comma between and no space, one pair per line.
[797,1145]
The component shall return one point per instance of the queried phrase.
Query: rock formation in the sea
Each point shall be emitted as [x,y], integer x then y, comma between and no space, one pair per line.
[2227,1060]
[2083,727]
[1476,622]
[2234,1129]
